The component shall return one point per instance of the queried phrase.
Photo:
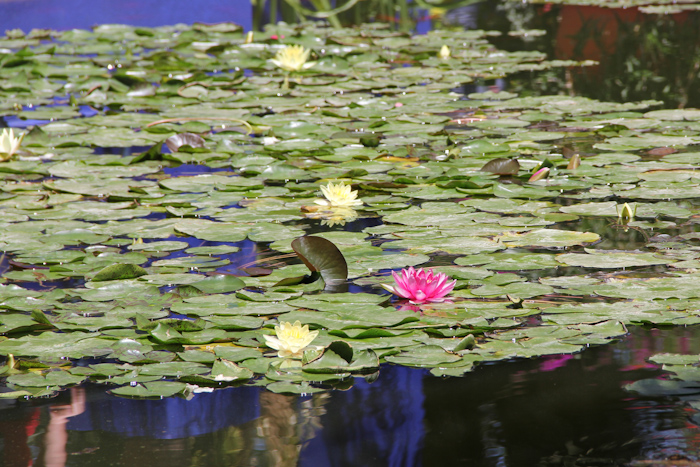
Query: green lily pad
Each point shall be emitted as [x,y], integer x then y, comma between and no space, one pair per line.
[423,356]
[219,283]
[549,238]
[119,271]
[611,259]
[152,390]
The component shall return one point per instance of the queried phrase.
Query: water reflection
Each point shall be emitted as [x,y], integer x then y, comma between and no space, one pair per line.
[405,417]
[372,424]
[582,414]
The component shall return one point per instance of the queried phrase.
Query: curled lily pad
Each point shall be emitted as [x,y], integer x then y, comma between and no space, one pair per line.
[322,256]
[502,166]
[184,139]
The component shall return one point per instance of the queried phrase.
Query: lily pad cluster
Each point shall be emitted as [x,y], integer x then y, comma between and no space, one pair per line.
[156,216]
[680,383]
[663,7]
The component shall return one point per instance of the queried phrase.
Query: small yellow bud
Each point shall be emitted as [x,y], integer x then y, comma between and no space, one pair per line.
[627,212]
[574,162]
[444,53]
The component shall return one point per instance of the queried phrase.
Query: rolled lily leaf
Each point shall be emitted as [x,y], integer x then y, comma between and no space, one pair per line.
[184,139]
[322,256]
[574,162]
[502,166]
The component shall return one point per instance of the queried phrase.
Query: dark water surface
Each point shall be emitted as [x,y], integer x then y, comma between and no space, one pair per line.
[568,410]
[559,410]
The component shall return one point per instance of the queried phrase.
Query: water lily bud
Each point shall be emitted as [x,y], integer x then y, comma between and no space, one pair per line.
[540,174]
[444,53]
[574,162]
[627,212]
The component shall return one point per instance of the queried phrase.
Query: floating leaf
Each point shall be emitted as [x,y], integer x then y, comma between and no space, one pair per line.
[119,271]
[219,283]
[226,371]
[608,259]
[423,356]
[153,390]
[340,357]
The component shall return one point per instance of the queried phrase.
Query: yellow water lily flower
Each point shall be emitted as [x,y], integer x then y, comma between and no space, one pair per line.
[293,58]
[444,53]
[291,339]
[9,144]
[340,195]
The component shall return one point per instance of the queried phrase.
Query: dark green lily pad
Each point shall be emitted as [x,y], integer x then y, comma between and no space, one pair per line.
[119,271]
[322,256]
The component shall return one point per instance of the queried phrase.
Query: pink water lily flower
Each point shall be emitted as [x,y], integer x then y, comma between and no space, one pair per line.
[420,286]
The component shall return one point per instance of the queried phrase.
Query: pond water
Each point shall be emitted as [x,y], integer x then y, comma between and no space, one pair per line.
[589,405]
[558,410]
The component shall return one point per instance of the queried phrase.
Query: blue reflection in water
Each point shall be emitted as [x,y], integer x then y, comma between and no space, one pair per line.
[84,14]
[170,418]
[191,169]
[379,423]
[14,121]
[372,424]
[122,151]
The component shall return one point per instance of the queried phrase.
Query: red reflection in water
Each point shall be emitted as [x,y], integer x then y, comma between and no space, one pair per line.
[15,433]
